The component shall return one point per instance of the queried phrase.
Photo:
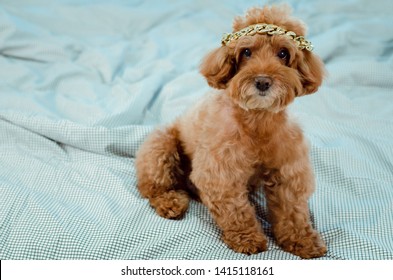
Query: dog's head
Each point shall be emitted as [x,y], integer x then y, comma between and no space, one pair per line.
[266,62]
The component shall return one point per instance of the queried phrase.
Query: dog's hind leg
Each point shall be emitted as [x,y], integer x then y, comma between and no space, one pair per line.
[159,173]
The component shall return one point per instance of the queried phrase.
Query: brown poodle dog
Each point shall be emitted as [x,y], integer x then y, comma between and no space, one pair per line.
[239,137]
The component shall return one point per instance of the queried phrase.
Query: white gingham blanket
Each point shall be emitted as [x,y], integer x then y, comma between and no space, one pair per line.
[83,82]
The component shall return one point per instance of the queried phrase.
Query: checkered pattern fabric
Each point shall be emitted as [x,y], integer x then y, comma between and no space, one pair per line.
[81,85]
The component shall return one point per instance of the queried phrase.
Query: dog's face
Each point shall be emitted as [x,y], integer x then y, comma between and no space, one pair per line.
[264,71]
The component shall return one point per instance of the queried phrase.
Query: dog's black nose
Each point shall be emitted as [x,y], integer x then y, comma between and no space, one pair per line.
[263,83]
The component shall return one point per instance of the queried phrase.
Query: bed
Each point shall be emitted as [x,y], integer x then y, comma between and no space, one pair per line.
[83,82]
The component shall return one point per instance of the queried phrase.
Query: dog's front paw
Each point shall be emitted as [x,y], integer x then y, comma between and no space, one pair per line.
[305,247]
[246,243]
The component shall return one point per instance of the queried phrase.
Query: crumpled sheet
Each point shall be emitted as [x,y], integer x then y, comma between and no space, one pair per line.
[83,82]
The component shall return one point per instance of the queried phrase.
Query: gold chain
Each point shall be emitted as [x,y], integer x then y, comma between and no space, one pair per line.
[270,29]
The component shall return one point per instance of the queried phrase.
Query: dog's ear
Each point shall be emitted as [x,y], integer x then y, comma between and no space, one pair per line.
[312,71]
[218,67]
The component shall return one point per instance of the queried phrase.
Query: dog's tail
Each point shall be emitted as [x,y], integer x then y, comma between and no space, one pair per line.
[159,173]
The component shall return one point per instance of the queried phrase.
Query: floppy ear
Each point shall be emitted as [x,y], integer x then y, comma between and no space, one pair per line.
[218,67]
[312,71]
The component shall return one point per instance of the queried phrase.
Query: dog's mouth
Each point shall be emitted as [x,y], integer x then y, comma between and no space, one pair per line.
[260,92]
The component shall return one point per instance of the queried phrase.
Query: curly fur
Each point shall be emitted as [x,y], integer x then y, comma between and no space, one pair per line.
[237,137]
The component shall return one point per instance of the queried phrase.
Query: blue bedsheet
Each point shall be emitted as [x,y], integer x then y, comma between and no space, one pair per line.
[83,82]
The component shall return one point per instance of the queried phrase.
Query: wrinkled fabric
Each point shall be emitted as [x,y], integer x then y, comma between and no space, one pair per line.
[83,82]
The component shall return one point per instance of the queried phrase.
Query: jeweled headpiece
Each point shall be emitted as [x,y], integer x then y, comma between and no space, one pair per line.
[269,29]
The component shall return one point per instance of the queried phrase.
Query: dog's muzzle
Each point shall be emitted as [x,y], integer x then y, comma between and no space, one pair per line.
[263,83]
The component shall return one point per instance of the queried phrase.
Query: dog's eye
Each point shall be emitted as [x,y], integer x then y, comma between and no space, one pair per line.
[247,52]
[284,55]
